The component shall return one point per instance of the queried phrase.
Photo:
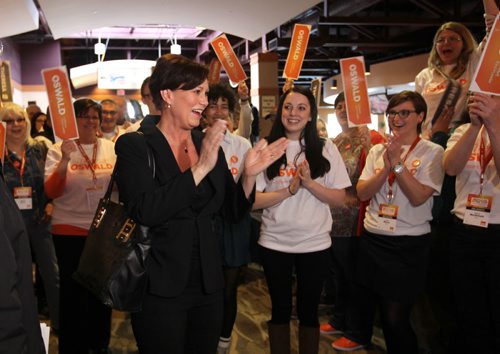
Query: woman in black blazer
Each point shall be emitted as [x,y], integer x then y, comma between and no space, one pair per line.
[182,310]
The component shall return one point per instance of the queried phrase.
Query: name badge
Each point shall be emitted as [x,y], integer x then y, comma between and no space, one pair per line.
[387,217]
[477,210]
[23,197]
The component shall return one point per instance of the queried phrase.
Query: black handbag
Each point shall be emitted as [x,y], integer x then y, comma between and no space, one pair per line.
[113,262]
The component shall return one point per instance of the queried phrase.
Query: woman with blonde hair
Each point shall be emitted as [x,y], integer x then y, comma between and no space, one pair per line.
[454,56]
[23,168]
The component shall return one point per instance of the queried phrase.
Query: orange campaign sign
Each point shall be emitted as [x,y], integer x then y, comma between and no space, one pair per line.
[228,59]
[61,108]
[3,130]
[487,76]
[356,91]
[214,71]
[298,48]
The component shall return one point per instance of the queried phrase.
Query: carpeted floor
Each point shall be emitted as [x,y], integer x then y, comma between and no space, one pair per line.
[250,331]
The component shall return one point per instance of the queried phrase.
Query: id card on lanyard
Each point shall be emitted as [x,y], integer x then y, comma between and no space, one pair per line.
[478,206]
[23,195]
[388,213]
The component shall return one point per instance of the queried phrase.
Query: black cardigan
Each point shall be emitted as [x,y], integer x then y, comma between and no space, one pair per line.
[164,204]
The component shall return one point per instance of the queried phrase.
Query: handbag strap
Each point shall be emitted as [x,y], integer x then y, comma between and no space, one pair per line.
[151,164]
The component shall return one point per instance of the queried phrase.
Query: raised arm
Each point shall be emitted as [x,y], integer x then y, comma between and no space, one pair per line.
[55,176]
[488,109]
[246,117]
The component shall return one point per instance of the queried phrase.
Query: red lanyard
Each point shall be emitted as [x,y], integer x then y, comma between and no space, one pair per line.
[90,163]
[392,175]
[20,167]
[484,160]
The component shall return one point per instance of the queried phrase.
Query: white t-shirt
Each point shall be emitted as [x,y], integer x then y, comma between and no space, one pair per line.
[235,148]
[77,205]
[424,162]
[301,223]
[467,181]
[432,85]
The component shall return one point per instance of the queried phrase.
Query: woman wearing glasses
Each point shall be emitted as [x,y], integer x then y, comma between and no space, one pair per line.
[76,177]
[23,165]
[454,56]
[400,178]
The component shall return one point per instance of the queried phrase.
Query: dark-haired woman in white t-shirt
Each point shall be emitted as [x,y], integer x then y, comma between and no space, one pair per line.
[296,193]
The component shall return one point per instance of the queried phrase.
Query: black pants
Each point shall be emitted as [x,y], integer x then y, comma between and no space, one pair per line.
[310,269]
[390,273]
[188,323]
[343,254]
[231,278]
[85,323]
[475,279]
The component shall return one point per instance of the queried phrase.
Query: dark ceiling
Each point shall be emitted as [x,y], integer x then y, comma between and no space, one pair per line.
[379,30]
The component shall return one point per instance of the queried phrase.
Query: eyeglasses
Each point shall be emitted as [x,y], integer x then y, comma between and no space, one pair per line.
[111,113]
[94,118]
[17,120]
[451,40]
[404,113]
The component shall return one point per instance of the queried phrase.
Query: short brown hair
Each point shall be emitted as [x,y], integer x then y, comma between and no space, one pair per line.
[173,72]
[415,98]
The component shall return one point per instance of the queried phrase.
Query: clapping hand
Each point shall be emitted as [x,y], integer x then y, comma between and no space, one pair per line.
[262,155]
[484,109]
[393,150]
[214,136]
[304,173]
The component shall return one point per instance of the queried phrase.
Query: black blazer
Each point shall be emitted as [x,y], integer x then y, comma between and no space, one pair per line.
[164,204]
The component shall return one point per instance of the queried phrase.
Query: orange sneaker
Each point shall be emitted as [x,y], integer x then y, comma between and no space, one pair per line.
[327,328]
[346,345]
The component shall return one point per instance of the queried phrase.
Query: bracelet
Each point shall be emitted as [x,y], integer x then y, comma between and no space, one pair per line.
[290,191]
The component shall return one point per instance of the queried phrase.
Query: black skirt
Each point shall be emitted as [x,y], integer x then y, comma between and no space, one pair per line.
[393,267]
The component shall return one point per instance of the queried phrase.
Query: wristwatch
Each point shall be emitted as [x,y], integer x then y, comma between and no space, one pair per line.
[398,168]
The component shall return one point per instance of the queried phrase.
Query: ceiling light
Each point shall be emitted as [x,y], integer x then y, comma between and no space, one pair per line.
[175,49]
[99,48]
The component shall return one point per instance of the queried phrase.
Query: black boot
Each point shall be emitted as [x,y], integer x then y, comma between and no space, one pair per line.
[279,338]
[308,340]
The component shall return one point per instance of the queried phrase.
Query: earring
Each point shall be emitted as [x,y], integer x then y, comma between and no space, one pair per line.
[168,105]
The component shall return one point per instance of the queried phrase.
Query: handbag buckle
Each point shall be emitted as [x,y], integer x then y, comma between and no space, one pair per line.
[99,216]
[126,231]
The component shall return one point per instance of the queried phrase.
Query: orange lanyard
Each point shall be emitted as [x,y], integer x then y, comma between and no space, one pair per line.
[90,164]
[392,176]
[18,166]
[484,160]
